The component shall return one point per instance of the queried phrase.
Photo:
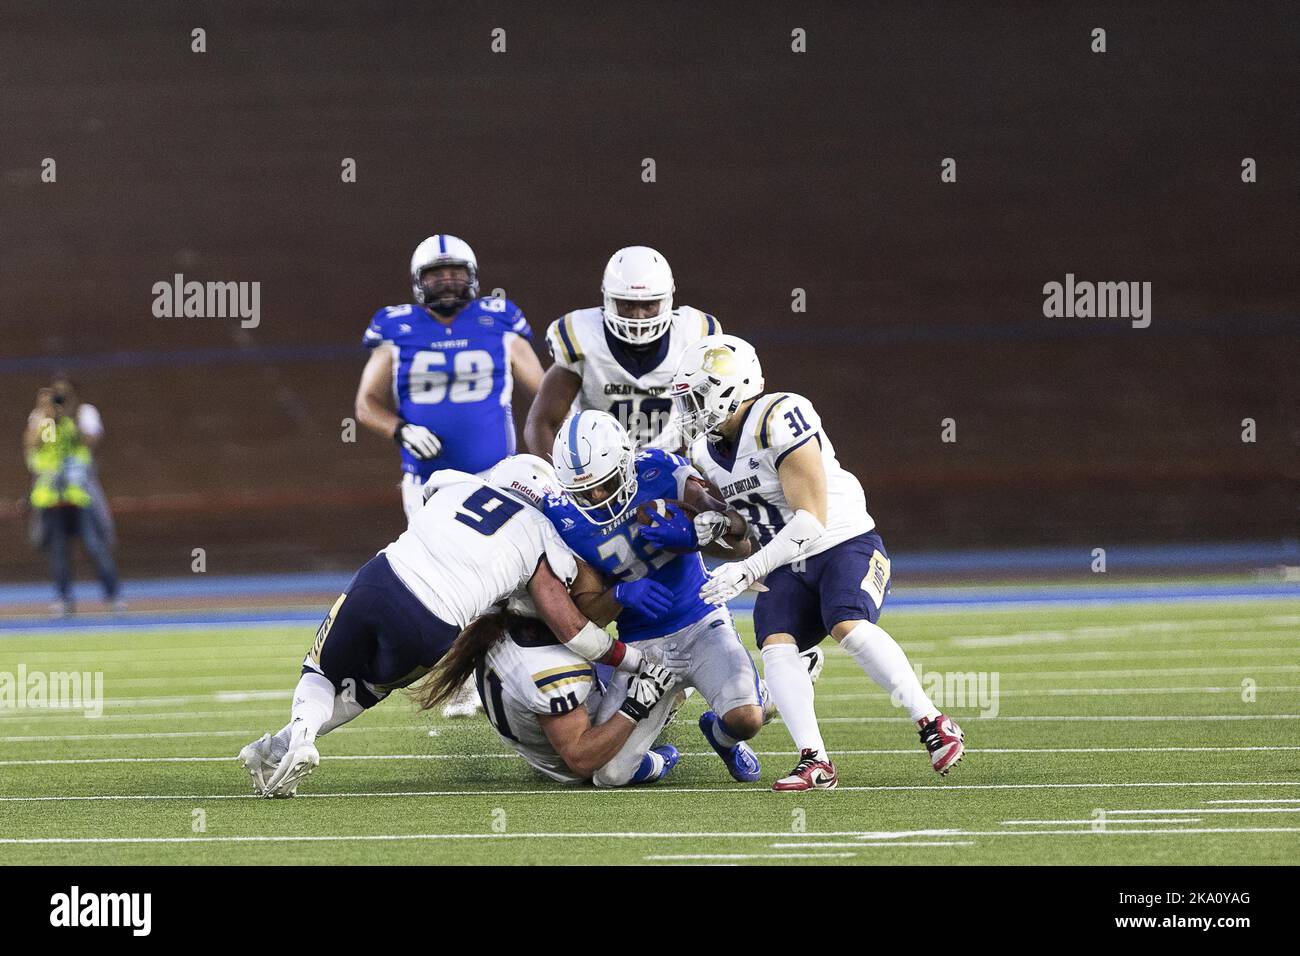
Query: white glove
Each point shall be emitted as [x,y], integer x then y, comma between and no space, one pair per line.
[710,526]
[726,582]
[645,690]
[418,440]
[669,658]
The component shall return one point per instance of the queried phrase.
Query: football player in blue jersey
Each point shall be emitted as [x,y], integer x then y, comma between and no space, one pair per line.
[605,482]
[440,379]
[442,370]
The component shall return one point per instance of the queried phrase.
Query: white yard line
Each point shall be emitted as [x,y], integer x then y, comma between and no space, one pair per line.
[882,752]
[1080,717]
[398,837]
[1287,800]
[682,857]
[1207,810]
[1106,822]
[638,791]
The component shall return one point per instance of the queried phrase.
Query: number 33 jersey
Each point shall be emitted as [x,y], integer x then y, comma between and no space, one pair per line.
[746,472]
[631,384]
[454,379]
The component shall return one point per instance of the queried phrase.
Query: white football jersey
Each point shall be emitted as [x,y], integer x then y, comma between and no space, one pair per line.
[612,379]
[524,677]
[776,425]
[472,545]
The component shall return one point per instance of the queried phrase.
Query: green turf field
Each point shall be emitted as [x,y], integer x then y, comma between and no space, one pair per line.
[1130,734]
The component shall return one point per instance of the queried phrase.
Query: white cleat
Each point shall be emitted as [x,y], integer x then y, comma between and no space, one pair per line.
[258,760]
[465,702]
[815,660]
[296,765]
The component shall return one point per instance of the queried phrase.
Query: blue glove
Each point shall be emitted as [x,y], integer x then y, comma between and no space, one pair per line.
[674,531]
[644,596]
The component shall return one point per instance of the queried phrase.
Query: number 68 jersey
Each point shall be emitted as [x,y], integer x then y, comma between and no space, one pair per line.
[746,471]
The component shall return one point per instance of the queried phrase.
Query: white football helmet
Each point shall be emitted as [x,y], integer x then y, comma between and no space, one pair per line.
[443,250]
[595,463]
[715,375]
[526,477]
[637,274]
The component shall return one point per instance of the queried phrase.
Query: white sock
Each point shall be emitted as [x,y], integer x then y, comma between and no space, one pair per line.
[345,709]
[792,689]
[885,663]
[313,704]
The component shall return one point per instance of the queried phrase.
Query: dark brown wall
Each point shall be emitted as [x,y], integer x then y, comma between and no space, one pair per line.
[775,171]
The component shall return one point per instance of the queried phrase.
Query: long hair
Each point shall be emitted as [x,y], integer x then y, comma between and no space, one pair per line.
[458,664]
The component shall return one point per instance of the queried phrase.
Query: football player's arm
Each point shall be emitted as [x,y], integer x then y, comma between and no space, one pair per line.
[803,481]
[559,387]
[734,542]
[585,747]
[573,628]
[525,367]
[591,596]
[374,404]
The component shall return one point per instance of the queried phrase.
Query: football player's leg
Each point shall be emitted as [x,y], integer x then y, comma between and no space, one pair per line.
[853,586]
[854,589]
[332,690]
[787,620]
[412,495]
[638,760]
[722,671]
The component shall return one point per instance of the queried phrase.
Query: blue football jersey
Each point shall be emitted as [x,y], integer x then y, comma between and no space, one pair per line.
[454,379]
[619,552]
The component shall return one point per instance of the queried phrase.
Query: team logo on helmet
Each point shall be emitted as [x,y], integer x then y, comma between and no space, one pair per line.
[719,362]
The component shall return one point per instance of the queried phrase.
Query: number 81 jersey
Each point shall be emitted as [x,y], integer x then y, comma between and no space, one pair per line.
[454,379]
[746,472]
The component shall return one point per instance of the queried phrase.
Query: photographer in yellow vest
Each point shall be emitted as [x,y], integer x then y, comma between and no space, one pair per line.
[62,492]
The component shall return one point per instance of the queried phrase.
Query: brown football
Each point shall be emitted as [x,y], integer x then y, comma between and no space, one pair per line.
[660,505]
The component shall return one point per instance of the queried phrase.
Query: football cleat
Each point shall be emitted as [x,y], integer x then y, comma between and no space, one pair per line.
[742,763]
[294,767]
[259,761]
[944,739]
[811,773]
[815,658]
[464,703]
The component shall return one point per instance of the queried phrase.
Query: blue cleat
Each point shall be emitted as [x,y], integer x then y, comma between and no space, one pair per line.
[648,772]
[742,763]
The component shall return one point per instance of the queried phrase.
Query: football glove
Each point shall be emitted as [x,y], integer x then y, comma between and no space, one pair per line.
[726,582]
[418,440]
[644,596]
[645,690]
[673,530]
[668,657]
[710,526]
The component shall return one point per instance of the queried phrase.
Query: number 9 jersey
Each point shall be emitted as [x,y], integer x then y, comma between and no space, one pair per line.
[746,471]
[454,379]
[630,383]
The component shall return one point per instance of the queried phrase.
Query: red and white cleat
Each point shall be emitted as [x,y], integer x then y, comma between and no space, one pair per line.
[811,773]
[944,739]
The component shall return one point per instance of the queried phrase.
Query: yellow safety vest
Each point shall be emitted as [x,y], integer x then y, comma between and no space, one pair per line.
[60,462]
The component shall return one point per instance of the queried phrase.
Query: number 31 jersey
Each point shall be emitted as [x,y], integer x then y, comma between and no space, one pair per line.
[454,379]
[746,473]
[631,384]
